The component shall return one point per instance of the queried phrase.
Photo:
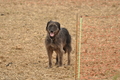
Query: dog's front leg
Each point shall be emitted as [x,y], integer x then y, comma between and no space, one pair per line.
[50,52]
[56,59]
[59,57]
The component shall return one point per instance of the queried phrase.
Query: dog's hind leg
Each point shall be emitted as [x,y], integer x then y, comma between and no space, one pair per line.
[68,58]
[69,50]
[60,58]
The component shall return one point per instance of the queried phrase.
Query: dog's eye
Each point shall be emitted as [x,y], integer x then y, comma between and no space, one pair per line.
[53,28]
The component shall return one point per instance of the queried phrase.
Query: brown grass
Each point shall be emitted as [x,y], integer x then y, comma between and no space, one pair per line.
[22,32]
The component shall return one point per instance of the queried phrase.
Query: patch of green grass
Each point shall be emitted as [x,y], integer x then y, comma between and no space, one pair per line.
[116,76]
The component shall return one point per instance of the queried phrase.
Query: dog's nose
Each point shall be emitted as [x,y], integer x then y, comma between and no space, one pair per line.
[51,31]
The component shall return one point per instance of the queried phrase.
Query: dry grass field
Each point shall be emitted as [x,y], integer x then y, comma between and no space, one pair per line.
[22,33]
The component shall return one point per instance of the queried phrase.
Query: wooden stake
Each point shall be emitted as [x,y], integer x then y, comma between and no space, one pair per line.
[80,45]
[76,47]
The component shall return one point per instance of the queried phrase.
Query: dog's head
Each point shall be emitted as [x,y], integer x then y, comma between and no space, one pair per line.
[53,28]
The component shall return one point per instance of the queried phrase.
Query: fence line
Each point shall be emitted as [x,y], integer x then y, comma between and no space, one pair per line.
[74,2]
[108,16]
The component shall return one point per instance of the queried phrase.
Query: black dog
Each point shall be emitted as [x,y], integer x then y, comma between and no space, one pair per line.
[59,40]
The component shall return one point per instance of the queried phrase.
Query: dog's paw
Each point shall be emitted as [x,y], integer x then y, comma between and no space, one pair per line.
[49,67]
[56,63]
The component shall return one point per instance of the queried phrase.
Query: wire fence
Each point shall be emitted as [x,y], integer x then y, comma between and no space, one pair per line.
[99,44]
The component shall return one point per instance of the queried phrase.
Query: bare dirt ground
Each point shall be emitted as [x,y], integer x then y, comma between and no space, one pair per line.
[22,33]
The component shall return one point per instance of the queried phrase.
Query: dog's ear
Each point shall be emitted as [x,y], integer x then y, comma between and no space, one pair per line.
[58,24]
[48,24]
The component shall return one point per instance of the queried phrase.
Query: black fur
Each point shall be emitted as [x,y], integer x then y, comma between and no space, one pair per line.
[58,40]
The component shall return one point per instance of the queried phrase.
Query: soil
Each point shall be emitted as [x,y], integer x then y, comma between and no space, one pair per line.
[22,34]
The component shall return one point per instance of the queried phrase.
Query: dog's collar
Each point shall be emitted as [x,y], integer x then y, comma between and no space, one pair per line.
[52,39]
